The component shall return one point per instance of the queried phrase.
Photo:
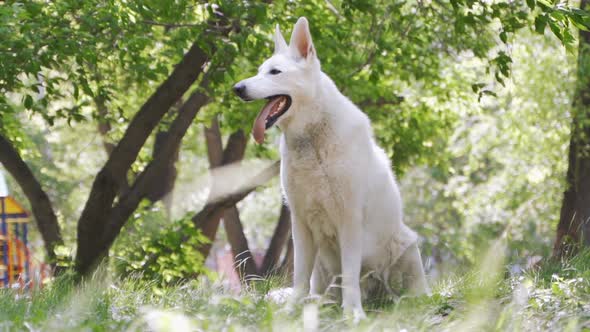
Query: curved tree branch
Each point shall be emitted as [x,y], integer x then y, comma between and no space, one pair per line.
[94,234]
[106,184]
[41,205]
[215,209]
[141,187]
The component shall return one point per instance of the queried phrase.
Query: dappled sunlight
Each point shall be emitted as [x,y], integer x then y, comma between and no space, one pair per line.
[161,321]
[126,136]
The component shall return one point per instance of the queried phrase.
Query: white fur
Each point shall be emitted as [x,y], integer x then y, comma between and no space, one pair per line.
[346,206]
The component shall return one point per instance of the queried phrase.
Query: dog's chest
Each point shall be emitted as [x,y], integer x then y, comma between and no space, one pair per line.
[311,182]
[311,159]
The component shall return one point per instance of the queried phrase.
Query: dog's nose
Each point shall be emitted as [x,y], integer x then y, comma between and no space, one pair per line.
[240,90]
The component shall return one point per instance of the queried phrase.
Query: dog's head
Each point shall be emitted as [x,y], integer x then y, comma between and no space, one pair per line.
[285,79]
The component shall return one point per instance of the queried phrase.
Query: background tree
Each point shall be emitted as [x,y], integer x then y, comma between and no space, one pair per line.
[573,229]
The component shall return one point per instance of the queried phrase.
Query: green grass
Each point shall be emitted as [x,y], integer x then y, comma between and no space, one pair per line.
[555,297]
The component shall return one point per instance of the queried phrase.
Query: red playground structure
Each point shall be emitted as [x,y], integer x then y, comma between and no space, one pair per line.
[15,258]
[17,265]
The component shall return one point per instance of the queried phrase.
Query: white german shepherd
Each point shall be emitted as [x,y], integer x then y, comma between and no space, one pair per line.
[345,204]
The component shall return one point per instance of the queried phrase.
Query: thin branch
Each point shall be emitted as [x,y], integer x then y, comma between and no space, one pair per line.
[381,101]
[172,25]
[333,9]
[104,126]
[373,52]
[214,144]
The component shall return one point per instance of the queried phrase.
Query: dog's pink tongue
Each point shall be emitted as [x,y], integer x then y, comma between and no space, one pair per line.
[260,122]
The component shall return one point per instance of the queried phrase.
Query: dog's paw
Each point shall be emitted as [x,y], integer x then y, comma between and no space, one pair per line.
[280,296]
[355,315]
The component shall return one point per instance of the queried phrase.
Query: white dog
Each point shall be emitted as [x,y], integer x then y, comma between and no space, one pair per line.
[345,204]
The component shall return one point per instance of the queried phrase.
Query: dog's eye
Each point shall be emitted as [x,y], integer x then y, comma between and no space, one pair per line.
[274,71]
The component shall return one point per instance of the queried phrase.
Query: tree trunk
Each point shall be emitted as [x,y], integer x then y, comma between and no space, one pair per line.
[94,234]
[215,154]
[279,238]
[235,148]
[103,128]
[234,151]
[114,221]
[573,230]
[40,204]
[103,125]
[106,184]
[105,187]
[214,144]
[158,190]
[287,264]
[243,259]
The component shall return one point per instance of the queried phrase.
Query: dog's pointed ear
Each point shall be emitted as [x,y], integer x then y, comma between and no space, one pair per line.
[301,44]
[280,43]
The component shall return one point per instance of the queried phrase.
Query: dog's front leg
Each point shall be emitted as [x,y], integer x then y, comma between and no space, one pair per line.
[304,257]
[350,238]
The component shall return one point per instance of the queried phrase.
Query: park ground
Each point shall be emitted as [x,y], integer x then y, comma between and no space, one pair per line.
[551,297]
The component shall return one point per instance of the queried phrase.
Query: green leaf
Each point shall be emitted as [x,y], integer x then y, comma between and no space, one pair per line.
[556,30]
[86,87]
[28,102]
[546,3]
[76,92]
[540,24]
[489,93]
[503,37]
[579,22]
[499,79]
[477,86]
[559,16]
[569,41]
[530,4]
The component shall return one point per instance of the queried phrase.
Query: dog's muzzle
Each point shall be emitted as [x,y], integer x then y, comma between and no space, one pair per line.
[240,90]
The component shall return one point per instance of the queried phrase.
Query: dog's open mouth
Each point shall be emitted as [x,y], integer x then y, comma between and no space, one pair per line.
[275,107]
